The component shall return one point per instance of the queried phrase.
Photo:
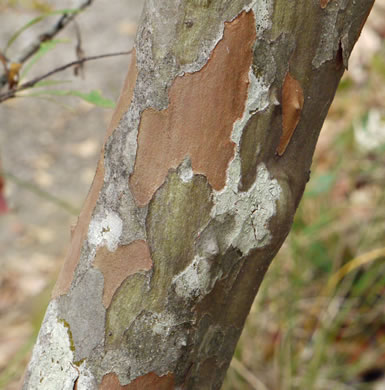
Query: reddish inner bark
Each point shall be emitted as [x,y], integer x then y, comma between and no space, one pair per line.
[149,381]
[199,119]
[118,265]
[292,104]
[80,232]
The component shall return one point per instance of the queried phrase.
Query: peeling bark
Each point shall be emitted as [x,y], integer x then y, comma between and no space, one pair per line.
[147,382]
[292,104]
[115,267]
[199,119]
[324,3]
[203,167]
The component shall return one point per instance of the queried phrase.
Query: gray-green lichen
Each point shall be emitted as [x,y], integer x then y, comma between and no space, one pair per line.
[187,268]
[152,342]
[67,325]
[83,310]
[330,34]
[185,34]
[204,244]
[51,366]
[163,325]
[263,10]
[196,280]
[340,17]
[175,201]
[270,66]
[180,276]
[125,307]
[251,209]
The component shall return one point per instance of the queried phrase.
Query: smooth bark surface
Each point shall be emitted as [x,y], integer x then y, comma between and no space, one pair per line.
[203,167]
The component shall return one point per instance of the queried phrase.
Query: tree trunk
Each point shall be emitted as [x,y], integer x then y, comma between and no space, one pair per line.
[204,164]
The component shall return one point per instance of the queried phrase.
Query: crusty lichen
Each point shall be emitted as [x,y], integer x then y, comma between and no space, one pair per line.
[51,366]
[210,245]
[67,325]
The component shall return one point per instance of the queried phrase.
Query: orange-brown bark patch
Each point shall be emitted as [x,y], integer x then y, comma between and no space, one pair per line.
[111,382]
[80,232]
[292,104]
[324,3]
[152,381]
[118,265]
[198,122]
[125,95]
[149,381]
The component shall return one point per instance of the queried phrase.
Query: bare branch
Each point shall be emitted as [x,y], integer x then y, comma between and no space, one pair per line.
[29,84]
[52,31]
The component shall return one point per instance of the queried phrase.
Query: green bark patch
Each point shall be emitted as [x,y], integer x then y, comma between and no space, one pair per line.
[270,64]
[201,19]
[171,237]
[171,242]
[253,137]
[124,308]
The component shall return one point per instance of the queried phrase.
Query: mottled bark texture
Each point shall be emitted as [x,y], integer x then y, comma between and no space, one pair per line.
[203,166]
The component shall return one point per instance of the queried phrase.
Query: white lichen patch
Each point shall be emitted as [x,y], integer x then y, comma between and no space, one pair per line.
[105,230]
[253,209]
[195,280]
[209,246]
[258,93]
[257,100]
[161,338]
[262,10]
[51,366]
[330,36]
[163,325]
[86,380]
[328,41]
[185,171]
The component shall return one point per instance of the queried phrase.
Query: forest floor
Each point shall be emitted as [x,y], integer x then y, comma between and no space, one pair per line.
[319,319]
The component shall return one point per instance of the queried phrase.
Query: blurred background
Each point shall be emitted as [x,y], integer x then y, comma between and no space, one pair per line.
[318,321]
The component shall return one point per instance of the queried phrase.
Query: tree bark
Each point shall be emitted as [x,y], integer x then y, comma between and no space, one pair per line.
[204,164]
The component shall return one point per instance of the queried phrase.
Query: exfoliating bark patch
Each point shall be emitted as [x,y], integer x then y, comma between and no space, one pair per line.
[149,381]
[80,232]
[116,266]
[198,122]
[292,104]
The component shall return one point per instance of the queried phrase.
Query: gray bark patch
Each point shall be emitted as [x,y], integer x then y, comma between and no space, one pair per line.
[83,310]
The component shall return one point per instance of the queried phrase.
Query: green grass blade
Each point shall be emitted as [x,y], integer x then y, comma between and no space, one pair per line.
[93,97]
[48,83]
[45,48]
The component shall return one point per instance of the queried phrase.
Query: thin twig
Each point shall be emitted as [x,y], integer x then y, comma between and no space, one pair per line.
[12,93]
[63,21]
[79,69]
